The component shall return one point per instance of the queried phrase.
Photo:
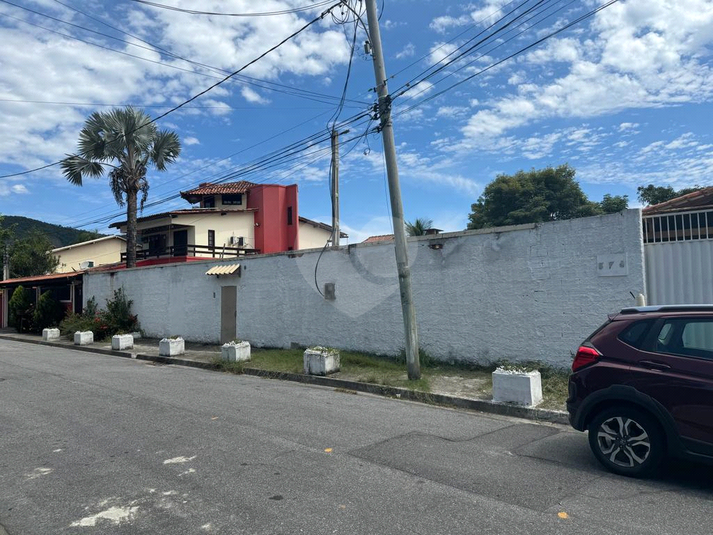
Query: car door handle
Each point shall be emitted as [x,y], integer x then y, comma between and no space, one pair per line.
[654,365]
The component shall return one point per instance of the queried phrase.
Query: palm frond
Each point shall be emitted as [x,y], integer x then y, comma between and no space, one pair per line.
[166,149]
[76,167]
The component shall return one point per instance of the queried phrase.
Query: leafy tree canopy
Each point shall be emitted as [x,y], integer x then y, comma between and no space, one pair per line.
[32,256]
[651,194]
[537,196]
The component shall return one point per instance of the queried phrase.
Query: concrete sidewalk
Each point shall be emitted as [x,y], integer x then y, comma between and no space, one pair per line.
[203,355]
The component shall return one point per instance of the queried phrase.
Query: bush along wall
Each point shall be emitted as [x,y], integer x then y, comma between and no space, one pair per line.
[116,319]
[49,312]
[19,310]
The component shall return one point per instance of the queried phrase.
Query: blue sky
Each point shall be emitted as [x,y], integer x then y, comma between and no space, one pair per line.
[624,97]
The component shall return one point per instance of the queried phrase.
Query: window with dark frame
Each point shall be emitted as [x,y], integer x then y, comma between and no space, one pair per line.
[209,202]
[233,198]
[289,215]
[211,238]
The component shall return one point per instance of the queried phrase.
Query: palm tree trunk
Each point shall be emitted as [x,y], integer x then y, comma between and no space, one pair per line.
[131,228]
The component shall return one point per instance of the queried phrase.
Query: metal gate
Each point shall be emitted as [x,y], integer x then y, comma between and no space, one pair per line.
[678,252]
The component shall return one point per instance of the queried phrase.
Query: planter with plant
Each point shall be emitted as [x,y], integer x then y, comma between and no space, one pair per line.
[321,360]
[83,338]
[517,384]
[172,346]
[235,351]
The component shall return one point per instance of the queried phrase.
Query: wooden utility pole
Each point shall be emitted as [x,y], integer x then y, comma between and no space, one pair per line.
[397,211]
[335,188]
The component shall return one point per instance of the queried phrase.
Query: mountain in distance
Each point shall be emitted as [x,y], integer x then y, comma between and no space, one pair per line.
[57,234]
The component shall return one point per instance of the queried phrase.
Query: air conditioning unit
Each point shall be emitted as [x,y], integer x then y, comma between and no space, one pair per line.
[86,264]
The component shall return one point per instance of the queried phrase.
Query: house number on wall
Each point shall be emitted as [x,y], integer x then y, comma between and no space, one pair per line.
[612,265]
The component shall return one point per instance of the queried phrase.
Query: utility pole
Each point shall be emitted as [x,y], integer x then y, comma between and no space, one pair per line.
[335,188]
[5,264]
[397,211]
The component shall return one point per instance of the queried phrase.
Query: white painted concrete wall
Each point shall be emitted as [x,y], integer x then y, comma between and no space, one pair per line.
[531,292]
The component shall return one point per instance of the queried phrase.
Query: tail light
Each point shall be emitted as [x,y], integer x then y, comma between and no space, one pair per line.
[585,355]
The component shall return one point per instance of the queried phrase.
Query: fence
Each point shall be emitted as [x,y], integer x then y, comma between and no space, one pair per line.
[531,292]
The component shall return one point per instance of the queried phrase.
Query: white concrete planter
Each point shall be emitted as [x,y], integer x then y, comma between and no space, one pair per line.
[321,361]
[83,338]
[520,388]
[122,341]
[50,334]
[171,347]
[235,351]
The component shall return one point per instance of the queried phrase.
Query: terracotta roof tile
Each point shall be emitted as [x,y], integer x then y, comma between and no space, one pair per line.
[227,188]
[700,199]
[382,237]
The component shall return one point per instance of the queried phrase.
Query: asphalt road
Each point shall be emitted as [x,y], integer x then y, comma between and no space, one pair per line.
[98,444]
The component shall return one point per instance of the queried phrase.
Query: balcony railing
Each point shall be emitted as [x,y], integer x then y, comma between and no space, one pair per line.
[202,251]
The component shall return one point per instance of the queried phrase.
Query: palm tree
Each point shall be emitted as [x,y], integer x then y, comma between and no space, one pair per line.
[128,142]
[419,226]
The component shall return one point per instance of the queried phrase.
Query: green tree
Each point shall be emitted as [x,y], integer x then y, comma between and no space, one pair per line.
[49,312]
[419,226]
[18,308]
[127,142]
[32,256]
[651,194]
[533,196]
[614,203]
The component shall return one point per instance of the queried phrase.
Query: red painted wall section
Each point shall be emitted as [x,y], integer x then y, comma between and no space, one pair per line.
[273,234]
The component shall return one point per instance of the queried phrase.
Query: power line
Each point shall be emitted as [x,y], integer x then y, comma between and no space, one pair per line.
[216,13]
[485,53]
[438,67]
[263,84]
[229,76]
[528,47]
[271,160]
[469,28]
[161,106]
[31,170]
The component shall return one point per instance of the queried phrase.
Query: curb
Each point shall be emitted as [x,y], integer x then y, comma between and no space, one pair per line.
[502,409]
[86,349]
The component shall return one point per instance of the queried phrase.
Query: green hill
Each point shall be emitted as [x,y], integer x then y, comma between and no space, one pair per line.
[57,234]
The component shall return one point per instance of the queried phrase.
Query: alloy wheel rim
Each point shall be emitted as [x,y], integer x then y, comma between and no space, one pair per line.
[624,442]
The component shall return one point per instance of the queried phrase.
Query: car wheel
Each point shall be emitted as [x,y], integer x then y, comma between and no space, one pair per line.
[626,441]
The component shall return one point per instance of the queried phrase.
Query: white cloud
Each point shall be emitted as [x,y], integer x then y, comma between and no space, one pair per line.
[407,51]
[623,127]
[452,112]
[443,23]
[19,188]
[42,66]
[190,140]
[640,54]
[253,96]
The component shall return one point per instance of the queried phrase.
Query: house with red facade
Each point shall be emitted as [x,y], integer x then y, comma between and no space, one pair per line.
[228,220]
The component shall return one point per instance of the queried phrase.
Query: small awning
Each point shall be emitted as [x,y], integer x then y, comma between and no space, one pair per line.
[224,270]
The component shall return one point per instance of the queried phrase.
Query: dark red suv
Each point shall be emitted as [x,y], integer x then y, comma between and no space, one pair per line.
[642,384]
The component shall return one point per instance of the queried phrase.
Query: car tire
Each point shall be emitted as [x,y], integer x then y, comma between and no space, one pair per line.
[627,441]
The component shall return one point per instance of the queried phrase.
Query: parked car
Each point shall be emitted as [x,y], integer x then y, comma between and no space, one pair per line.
[642,385]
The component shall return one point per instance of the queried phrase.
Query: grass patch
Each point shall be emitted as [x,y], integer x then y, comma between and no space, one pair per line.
[388,371]
[228,366]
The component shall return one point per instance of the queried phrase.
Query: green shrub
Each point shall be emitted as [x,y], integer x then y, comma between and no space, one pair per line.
[19,309]
[78,322]
[49,312]
[118,317]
